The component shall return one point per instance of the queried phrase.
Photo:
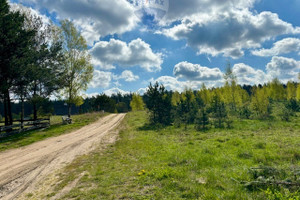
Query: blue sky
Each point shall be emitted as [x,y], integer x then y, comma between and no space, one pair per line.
[189,46]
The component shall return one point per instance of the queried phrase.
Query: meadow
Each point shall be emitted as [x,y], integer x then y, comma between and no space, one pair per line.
[148,162]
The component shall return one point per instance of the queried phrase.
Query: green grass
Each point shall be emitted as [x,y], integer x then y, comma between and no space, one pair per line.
[174,163]
[55,129]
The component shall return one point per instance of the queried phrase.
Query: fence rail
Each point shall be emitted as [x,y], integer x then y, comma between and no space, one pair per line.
[27,125]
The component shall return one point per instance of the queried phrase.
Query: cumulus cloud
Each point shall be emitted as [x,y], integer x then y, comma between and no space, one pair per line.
[285,46]
[112,91]
[101,79]
[283,68]
[249,76]
[229,33]
[179,9]
[128,76]
[136,53]
[196,72]
[94,17]
[172,83]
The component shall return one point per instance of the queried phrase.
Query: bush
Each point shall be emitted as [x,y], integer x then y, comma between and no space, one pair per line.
[280,110]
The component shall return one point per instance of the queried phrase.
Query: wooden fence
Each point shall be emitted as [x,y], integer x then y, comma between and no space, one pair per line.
[27,125]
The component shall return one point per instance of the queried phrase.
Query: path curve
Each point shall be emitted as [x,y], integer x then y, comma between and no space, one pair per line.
[22,168]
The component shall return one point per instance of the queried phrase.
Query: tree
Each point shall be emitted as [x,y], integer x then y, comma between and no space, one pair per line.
[121,107]
[260,103]
[42,71]
[186,109]
[231,88]
[204,94]
[202,119]
[291,90]
[104,102]
[276,90]
[77,65]
[298,89]
[159,104]
[15,43]
[175,98]
[137,103]
[218,110]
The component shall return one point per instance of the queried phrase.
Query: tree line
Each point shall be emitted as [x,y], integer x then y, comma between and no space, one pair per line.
[38,60]
[218,107]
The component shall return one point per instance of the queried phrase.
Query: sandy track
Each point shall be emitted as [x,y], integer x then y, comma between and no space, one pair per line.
[21,169]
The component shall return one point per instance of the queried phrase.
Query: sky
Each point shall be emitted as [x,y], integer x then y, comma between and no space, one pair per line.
[181,43]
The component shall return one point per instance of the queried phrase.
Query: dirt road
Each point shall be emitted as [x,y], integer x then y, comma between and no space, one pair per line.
[21,169]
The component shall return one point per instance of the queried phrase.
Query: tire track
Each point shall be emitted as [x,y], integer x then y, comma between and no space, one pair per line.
[21,169]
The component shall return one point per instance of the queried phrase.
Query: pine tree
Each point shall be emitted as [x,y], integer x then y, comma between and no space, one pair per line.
[159,104]
[15,43]
[218,110]
[202,119]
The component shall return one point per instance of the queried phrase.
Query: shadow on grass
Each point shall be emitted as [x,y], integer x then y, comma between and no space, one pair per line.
[27,134]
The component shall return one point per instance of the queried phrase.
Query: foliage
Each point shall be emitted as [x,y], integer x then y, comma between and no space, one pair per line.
[137,103]
[186,108]
[77,67]
[281,111]
[103,102]
[260,103]
[15,43]
[121,107]
[218,110]
[201,120]
[277,195]
[159,104]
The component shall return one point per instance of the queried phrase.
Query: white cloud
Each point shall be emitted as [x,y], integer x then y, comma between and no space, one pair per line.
[141,91]
[128,76]
[284,69]
[94,17]
[196,72]
[101,79]
[229,33]
[284,46]
[172,83]
[179,9]
[116,52]
[112,91]
[249,76]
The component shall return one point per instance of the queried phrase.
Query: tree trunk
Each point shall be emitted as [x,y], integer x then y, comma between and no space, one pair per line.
[9,109]
[35,111]
[5,111]
[22,112]
[34,103]
[69,110]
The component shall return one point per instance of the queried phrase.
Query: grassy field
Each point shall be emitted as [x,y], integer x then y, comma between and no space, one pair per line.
[56,129]
[172,163]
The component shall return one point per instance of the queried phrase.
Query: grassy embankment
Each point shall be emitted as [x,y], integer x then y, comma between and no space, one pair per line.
[55,129]
[173,163]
